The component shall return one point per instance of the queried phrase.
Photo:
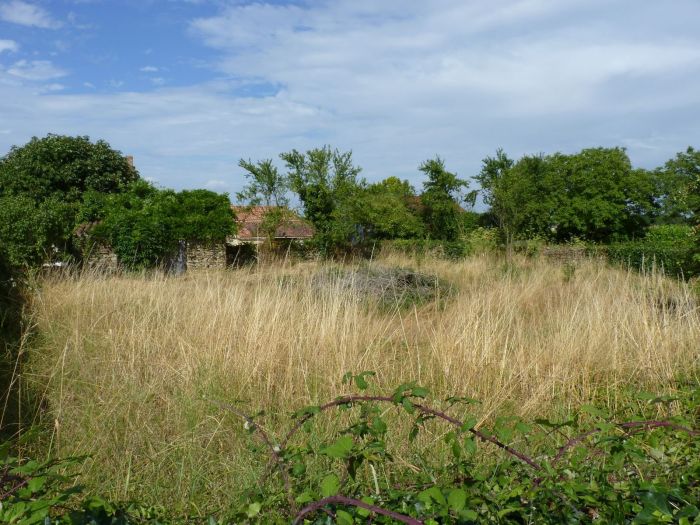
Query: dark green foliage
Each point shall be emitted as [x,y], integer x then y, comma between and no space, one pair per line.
[42,185]
[144,225]
[63,167]
[11,307]
[329,190]
[32,232]
[672,247]
[443,195]
[677,191]
[589,468]
[391,210]
[594,195]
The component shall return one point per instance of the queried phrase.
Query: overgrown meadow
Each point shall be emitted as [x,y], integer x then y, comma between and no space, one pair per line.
[166,385]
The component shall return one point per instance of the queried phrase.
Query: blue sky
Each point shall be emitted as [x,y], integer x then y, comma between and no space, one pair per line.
[189,87]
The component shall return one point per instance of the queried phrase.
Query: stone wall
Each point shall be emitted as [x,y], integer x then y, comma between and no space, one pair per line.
[206,256]
[101,258]
[566,254]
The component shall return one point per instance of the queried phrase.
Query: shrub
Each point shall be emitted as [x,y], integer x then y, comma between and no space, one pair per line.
[587,468]
[670,246]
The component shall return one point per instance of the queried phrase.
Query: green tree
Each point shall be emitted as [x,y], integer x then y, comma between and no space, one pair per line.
[329,189]
[63,167]
[267,187]
[443,193]
[390,210]
[594,195]
[677,201]
[31,232]
[497,189]
[599,196]
[42,186]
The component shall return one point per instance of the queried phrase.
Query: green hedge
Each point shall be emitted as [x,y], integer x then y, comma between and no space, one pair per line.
[671,247]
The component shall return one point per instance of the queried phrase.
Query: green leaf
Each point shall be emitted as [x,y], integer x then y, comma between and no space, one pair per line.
[469,423]
[330,485]
[419,391]
[253,509]
[360,380]
[432,494]
[343,518]
[469,514]
[340,449]
[594,411]
[364,512]
[378,425]
[457,499]
[304,497]
[36,484]
[469,445]
[408,405]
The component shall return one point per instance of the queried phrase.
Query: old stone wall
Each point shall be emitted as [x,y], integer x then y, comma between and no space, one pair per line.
[565,254]
[202,256]
[100,257]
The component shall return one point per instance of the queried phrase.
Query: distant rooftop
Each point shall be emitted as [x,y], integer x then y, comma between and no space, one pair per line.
[250,218]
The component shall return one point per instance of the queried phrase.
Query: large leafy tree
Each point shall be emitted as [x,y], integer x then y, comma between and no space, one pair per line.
[678,199]
[443,195]
[42,185]
[32,232]
[593,195]
[329,189]
[63,167]
[391,211]
[498,192]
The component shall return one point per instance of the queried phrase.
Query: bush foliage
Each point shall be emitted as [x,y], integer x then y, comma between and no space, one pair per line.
[591,467]
[672,247]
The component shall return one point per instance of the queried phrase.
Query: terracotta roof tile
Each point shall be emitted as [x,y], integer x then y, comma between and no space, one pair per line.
[249,220]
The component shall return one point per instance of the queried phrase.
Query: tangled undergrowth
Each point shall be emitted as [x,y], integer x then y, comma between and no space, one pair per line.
[588,468]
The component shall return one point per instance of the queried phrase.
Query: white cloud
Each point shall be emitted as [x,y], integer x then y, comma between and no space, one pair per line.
[363,57]
[217,185]
[398,81]
[149,69]
[9,45]
[36,70]
[23,13]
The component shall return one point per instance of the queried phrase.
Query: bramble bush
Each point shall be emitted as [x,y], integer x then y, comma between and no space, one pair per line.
[591,467]
[587,468]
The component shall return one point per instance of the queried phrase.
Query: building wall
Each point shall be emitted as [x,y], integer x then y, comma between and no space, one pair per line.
[202,256]
[101,257]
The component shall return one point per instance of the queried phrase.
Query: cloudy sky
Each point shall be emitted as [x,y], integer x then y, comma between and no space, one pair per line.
[189,87]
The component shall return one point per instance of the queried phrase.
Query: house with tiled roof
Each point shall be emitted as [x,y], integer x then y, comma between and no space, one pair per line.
[251,229]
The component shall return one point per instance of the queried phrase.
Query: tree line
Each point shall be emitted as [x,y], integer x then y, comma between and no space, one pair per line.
[53,185]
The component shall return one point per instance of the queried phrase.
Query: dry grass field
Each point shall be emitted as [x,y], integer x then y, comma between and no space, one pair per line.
[126,366]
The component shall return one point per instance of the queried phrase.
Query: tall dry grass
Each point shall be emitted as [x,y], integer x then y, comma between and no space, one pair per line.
[126,364]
